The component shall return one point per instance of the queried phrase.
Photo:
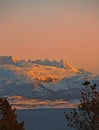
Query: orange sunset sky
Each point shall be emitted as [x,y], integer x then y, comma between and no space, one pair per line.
[54,29]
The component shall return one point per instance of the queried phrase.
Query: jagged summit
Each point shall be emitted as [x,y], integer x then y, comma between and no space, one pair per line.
[28,62]
[67,65]
[6,60]
[61,64]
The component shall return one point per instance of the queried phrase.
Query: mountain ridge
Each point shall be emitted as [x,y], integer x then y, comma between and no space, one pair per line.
[17,61]
[47,80]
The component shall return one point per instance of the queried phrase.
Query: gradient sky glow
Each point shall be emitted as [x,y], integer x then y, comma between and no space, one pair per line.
[54,29]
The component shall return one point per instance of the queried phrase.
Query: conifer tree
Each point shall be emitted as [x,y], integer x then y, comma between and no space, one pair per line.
[8,117]
[86,117]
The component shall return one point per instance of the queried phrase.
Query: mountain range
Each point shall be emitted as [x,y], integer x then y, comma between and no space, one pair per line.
[43,80]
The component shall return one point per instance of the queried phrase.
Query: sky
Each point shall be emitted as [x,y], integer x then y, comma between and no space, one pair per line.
[53,29]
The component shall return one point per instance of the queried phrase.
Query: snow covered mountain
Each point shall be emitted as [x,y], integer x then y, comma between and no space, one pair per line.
[43,80]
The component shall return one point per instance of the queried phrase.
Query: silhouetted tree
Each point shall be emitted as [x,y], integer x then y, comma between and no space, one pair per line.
[87,115]
[8,117]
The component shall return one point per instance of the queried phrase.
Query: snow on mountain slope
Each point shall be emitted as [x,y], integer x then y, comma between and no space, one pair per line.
[47,80]
[69,82]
